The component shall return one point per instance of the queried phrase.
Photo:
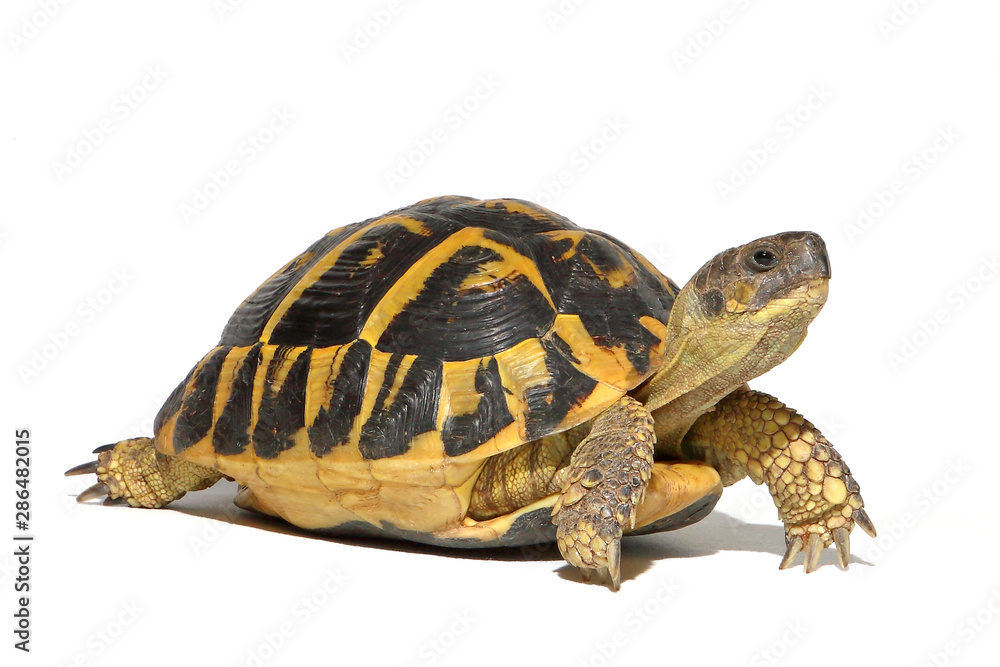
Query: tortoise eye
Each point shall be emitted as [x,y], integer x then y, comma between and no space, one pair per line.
[763,259]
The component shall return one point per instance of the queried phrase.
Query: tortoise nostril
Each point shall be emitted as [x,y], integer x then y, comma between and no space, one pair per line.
[821,259]
[808,257]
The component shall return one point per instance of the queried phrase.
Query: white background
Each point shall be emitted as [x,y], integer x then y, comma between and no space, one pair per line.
[100,245]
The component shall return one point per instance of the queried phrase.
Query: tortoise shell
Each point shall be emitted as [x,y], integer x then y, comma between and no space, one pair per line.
[379,368]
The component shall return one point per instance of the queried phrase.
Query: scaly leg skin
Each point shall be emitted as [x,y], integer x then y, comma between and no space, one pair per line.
[520,476]
[751,433]
[134,471]
[605,480]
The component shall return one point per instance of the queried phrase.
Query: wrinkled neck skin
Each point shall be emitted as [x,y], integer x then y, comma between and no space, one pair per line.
[709,357]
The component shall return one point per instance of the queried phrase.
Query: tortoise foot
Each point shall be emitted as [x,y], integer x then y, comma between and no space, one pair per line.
[132,471]
[607,478]
[815,536]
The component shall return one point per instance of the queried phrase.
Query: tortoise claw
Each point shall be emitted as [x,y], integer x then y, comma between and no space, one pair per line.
[83,469]
[104,448]
[615,564]
[842,538]
[794,547]
[862,519]
[114,502]
[98,490]
[813,550]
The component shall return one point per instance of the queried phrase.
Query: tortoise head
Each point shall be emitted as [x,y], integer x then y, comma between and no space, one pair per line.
[741,314]
[778,282]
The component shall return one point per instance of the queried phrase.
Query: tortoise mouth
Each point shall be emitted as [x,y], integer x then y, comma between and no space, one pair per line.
[801,302]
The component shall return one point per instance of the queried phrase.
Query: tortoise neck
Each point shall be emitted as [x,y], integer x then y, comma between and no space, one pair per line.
[706,359]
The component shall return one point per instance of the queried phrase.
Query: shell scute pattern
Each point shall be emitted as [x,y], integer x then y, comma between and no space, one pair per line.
[469,326]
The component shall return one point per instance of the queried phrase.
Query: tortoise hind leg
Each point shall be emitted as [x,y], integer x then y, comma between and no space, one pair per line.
[134,471]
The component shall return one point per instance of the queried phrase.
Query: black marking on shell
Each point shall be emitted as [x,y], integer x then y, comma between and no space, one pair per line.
[277,361]
[195,417]
[332,426]
[390,429]
[578,285]
[533,527]
[563,347]
[498,218]
[463,433]
[232,428]
[549,403]
[282,413]
[172,404]
[334,309]
[246,325]
[447,321]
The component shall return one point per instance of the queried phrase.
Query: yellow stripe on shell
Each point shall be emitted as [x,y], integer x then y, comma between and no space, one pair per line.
[597,402]
[165,437]
[324,265]
[521,368]
[491,529]
[459,395]
[572,235]
[649,266]
[413,282]
[324,367]
[607,365]
[377,366]
[512,206]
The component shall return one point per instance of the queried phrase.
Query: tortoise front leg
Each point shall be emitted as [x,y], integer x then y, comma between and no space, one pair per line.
[605,479]
[751,433]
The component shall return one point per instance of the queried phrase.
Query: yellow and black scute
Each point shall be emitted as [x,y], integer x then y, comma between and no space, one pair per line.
[370,377]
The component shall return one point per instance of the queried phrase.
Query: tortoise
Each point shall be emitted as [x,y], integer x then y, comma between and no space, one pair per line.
[480,373]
